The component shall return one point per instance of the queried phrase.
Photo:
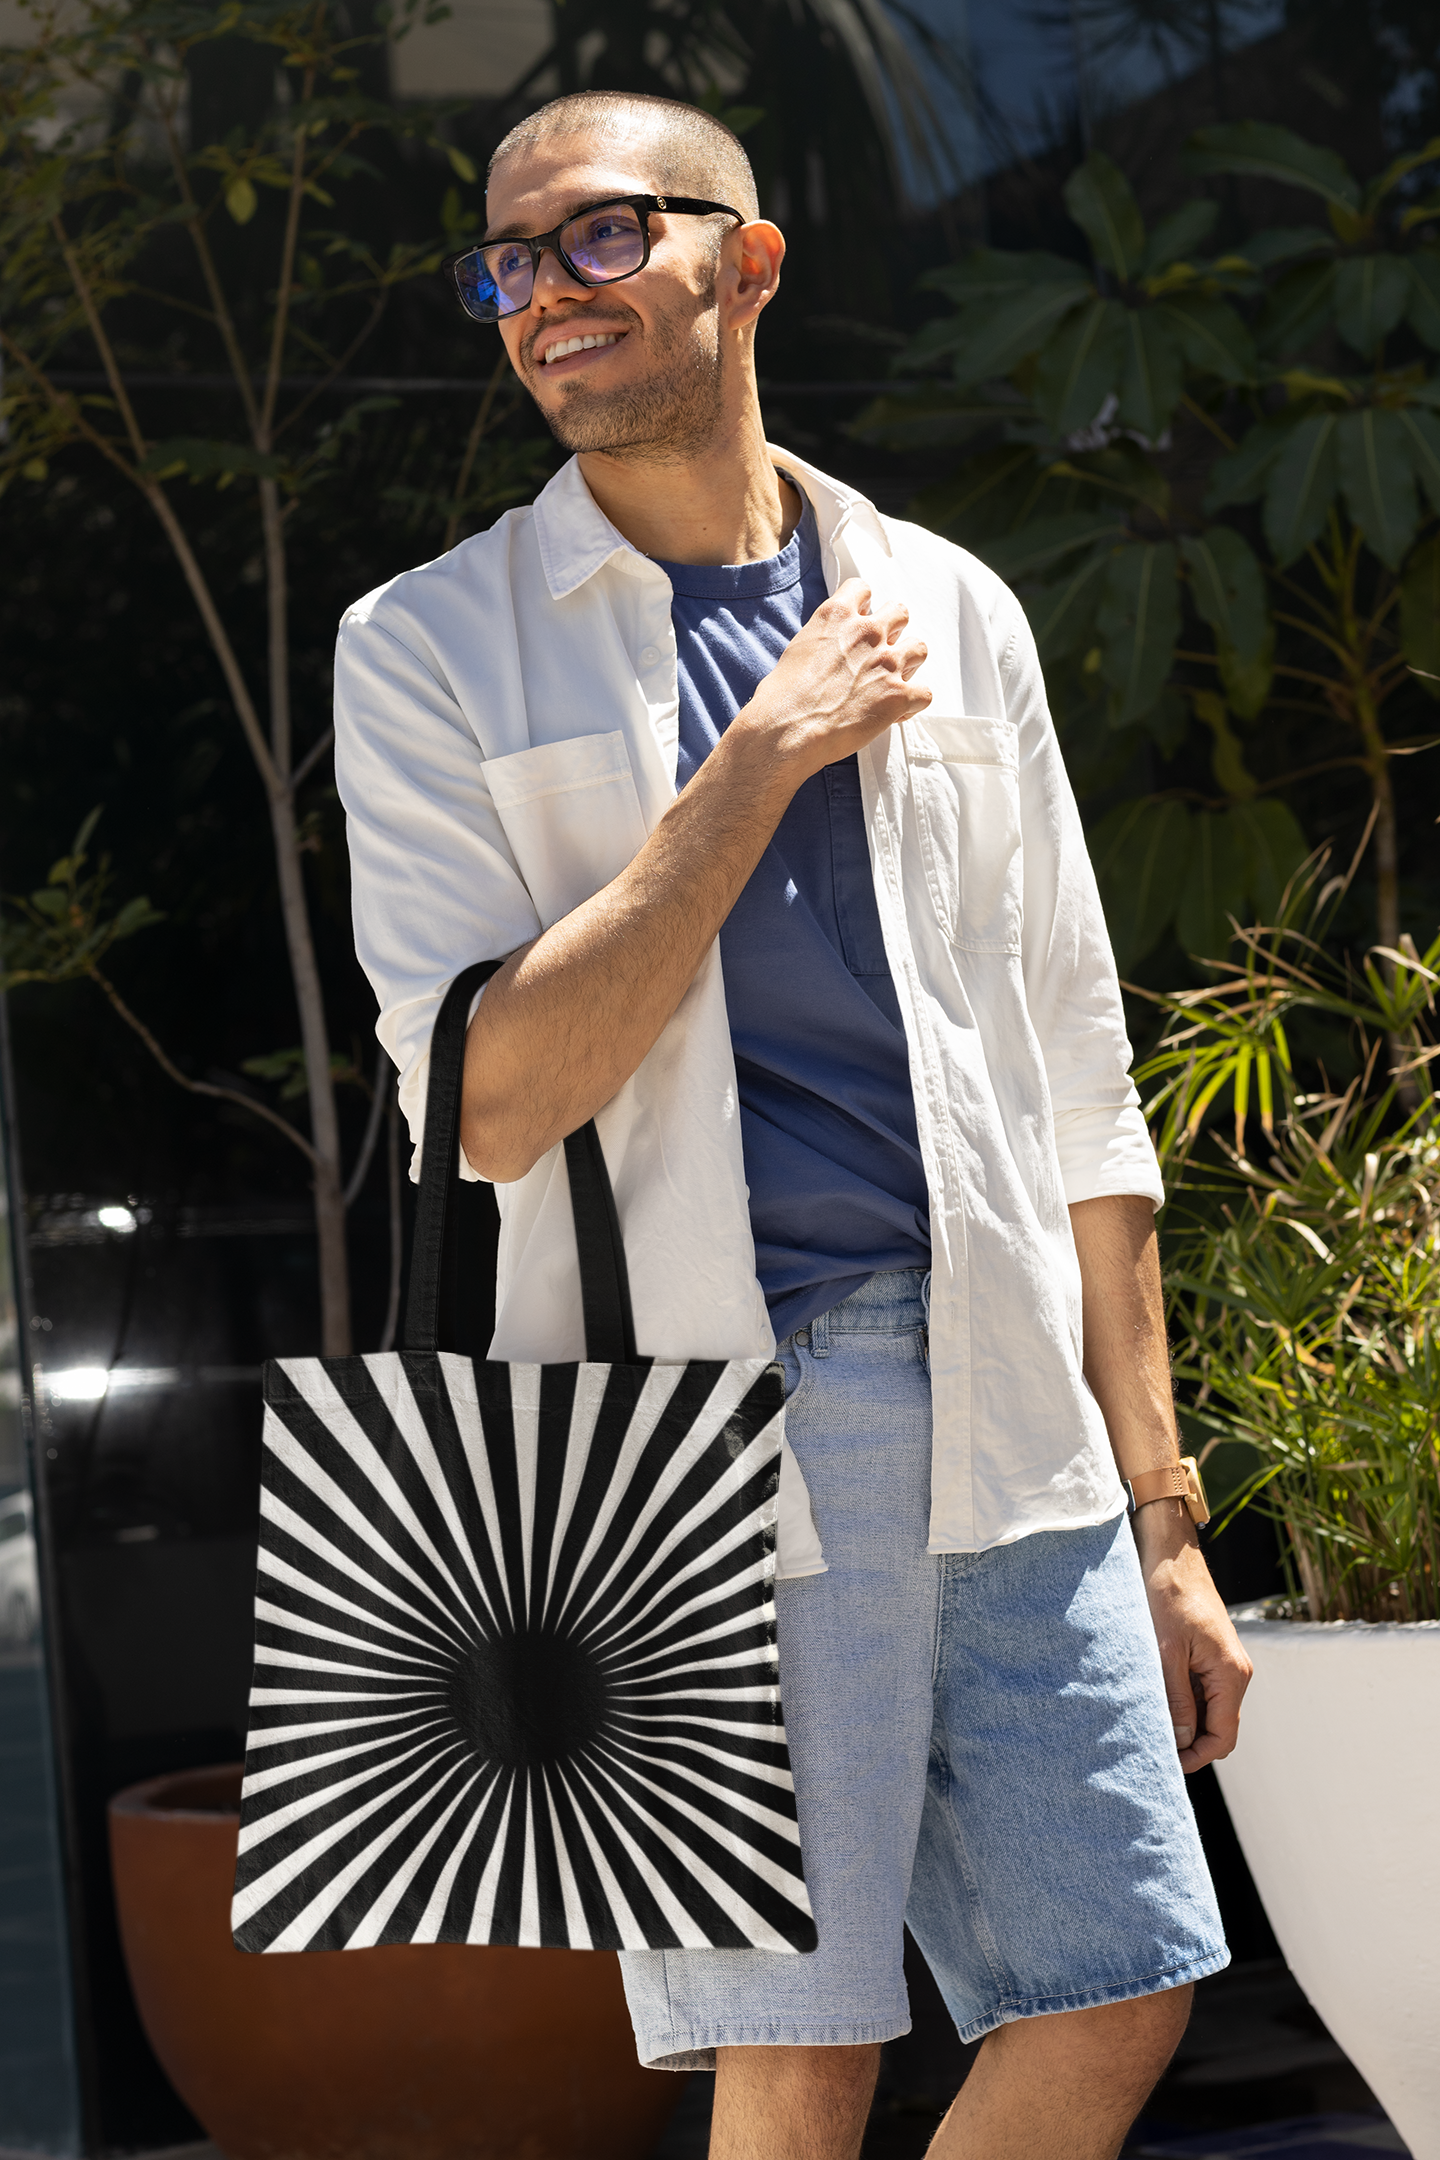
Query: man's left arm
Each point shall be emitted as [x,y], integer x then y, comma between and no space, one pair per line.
[1127,1364]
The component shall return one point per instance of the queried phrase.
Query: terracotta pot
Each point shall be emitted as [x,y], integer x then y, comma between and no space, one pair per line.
[426,2053]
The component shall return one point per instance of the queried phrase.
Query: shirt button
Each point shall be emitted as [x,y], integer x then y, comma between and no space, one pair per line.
[649,656]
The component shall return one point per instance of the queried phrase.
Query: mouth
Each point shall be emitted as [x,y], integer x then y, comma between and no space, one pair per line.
[568,354]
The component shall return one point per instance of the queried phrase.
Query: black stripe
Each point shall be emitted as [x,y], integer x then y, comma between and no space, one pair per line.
[460,1905]
[549,1896]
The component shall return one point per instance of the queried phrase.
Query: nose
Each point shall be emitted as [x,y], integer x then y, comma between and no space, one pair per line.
[554,283]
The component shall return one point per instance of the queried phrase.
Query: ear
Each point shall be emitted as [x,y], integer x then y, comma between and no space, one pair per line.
[749,272]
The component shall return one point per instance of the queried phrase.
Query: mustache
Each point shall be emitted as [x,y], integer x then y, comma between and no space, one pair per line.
[583,321]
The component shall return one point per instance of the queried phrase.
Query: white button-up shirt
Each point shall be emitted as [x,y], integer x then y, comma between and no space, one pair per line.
[506,730]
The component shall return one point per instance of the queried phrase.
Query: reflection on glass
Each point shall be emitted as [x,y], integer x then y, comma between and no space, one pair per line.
[38,2095]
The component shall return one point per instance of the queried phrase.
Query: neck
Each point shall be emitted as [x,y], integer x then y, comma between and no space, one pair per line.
[724,503]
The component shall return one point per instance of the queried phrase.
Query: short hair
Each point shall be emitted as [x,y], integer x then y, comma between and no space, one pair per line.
[696,154]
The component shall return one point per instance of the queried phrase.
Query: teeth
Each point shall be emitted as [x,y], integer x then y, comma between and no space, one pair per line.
[566,346]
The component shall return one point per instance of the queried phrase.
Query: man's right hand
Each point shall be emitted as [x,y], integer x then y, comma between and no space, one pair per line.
[842,681]
[568,1019]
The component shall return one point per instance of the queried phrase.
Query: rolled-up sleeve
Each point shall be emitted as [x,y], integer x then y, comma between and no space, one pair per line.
[434,883]
[1071,987]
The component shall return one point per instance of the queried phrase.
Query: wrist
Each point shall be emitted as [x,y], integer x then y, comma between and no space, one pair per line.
[1163,1530]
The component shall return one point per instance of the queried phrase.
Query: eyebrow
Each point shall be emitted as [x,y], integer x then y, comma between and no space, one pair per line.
[518,232]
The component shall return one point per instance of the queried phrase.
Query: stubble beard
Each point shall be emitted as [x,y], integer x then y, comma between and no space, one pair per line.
[672,416]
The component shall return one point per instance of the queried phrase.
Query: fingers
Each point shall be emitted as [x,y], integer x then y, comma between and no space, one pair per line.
[1179,1696]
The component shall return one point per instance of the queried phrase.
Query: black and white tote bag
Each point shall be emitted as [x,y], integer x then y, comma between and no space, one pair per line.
[515,1672]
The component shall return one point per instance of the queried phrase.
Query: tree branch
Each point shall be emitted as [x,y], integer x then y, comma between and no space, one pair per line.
[199,1087]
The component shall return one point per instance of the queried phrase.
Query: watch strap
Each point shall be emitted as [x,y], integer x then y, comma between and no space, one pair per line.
[1176,1481]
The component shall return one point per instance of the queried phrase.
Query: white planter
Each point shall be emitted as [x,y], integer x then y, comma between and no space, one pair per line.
[1334,1791]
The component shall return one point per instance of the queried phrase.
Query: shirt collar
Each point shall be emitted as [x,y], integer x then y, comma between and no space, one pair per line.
[576,538]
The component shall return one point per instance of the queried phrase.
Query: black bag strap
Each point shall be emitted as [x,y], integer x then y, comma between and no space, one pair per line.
[604,1277]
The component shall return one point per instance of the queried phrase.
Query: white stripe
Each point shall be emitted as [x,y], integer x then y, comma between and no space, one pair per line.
[258,1781]
[727,1897]
[634,1760]
[308,1471]
[528,1937]
[584,1409]
[293,1813]
[483,1911]
[307,1923]
[459,1376]
[285,1517]
[372,1926]
[386,1370]
[736,1474]
[577,1927]
[650,1405]
[525,1411]
[427,1928]
[283,1572]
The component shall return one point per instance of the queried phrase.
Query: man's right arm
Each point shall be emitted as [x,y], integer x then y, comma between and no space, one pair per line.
[570,1017]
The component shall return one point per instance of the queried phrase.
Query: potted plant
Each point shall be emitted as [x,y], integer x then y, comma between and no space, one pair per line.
[1303,1271]
[431,2052]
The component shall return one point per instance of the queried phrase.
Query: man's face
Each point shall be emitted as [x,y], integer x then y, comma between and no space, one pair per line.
[651,384]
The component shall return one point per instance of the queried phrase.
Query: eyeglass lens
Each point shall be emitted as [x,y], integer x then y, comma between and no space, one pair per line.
[601,245]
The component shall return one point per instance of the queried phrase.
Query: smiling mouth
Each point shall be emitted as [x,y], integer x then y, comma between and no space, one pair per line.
[563,347]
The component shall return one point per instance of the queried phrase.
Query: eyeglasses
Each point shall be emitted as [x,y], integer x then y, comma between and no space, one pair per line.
[598,247]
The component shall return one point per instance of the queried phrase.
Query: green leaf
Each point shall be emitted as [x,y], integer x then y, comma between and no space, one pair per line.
[1227,759]
[1062,615]
[135,915]
[1099,198]
[1378,481]
[1271,153]
[1214,887]
[998,338]
[210,460]
[1281,243]
[1298,308]
[1273,848]
[990,273]
[1154,374]
[1371,292]
[1301,487]
[932,417]
[1240,475]
[1138,622]
[1420,615]
[1423,312]
[1422,435]
[462,166]
[979,495]
[1409,161]
[240,199]
[1228,586]
[1176,238]
[1140,853]
[1080,366]
[1211,336]
[1047,541]
[1168,722]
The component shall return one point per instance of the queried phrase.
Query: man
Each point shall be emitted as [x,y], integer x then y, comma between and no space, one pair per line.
[857,965]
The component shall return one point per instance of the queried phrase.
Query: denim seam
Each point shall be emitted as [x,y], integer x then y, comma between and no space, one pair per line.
[776,2032]
[980,1919]
[1013,2007]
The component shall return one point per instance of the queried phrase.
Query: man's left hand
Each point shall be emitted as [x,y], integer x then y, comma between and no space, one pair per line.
[1206,1669]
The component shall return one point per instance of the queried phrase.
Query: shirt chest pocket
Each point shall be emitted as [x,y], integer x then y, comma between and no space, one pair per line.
[965,778]
[571,815]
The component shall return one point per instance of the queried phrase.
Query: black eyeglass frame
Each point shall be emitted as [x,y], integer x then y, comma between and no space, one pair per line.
[642,205]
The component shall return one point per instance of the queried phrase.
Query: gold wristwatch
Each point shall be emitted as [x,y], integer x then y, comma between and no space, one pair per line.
[1178,1481]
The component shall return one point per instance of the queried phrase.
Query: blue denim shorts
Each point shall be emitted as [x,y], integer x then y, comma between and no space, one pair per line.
[980,1742]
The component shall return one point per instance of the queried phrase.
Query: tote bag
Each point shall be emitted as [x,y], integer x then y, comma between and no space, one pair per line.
[515,1671]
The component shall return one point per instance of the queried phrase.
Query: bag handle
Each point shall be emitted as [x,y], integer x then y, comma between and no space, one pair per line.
[604,1276]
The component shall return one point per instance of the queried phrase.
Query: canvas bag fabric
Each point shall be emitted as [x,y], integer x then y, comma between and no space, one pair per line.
[516,1677]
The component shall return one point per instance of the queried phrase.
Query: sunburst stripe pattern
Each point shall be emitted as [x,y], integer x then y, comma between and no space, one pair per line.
[516,1677]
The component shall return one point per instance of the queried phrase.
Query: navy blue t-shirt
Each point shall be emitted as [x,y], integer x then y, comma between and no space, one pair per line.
[837,1186]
